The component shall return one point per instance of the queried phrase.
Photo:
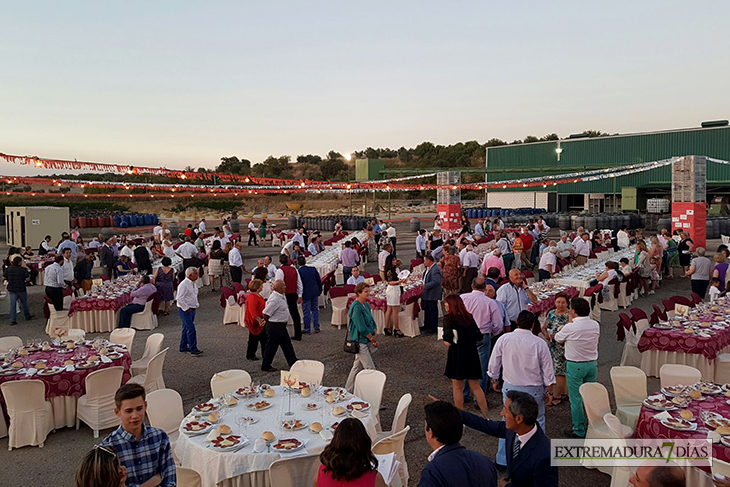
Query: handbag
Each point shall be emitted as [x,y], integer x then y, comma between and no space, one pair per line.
[350,346]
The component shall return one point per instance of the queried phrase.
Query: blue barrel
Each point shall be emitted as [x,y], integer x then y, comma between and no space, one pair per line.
[125,221]
[155,219]
[117,220]
[133,220]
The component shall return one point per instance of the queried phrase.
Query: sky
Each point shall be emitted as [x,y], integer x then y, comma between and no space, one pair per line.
[182,83]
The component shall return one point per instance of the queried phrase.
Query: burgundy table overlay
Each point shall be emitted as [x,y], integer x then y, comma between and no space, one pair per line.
[100,304]
[649,427]
[677,341]
[382,304]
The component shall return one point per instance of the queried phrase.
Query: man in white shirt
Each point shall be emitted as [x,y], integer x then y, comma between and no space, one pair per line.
[622,238]
[189,253]
[187,303]
[157,233]
[201,225]
[526,366]
[252,233]
[578,235]
[470,265]
[383,257]
[421,243]
[355,278]
[548,262]
[270,267]
[565,247]
[581,337]
[582,249]
[391,236]
[68,267]
[276,313]
[288,248]
[299,238]
[235,261]
[54,282]
[128,251]
[313,248]
[479,229]
[221,237]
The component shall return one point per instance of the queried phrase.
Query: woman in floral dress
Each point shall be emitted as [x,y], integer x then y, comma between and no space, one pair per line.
[451,270]
[555,320]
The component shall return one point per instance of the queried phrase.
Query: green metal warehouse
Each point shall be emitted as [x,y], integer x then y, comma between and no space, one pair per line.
[622,193]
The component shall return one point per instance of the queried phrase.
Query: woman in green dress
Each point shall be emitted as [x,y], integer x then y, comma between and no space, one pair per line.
[556,319]
[672,257]
[262,230]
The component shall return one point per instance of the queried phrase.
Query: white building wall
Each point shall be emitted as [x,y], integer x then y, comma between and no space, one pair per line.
[517,199]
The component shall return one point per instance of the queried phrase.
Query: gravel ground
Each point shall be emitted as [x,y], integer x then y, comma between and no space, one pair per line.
[412,365]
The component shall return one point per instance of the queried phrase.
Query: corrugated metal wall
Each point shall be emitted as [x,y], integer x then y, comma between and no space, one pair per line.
[615,151]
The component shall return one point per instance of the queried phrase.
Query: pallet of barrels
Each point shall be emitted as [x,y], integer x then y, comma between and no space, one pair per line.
[327,223]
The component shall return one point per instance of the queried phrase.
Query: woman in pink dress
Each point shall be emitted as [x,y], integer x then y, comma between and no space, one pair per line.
[348,460]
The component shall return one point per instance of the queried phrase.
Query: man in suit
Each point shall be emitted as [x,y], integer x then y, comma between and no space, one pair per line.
[431,295]
[106,256]
[311,289]
[528,449]
[143,257]
[451,464]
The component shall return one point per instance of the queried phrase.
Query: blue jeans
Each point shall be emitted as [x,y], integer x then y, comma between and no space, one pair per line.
[538,392]
[485,350]
[125,314]
[188,339]
[311,313]
[346,273]
[14,297]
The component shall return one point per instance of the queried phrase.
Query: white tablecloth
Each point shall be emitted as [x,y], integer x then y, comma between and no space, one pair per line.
[233,469]
[652,361]
[96,321]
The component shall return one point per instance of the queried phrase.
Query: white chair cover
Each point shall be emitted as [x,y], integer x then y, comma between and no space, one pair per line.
[407,324]
[123,336]
[610,304]
[152,347]
[31,416]
[720,467]
[3,427]
[231,313]
[187,477]
[339,311]
[6,343]
[401,414]
[76,334]
[624,299]
[96,407]
[631,355]
[596,404]
[165,411]
[677,374]
[228,381]
[339,275]
[152,379]
[369,385]
[722,368]
[620,475]
[629,388]
[395,444]
[146,320]
[295,471]
[309,370]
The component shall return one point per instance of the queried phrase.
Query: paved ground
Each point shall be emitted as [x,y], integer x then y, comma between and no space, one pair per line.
[412,365]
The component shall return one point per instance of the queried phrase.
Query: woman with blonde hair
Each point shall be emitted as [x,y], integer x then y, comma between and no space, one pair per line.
[101,468]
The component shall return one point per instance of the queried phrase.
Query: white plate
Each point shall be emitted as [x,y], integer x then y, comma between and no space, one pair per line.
[243,442]
[305,408]
[304,424]
[301,445]
[693,426]
[198,432]
[51,371]
[350,408]
[404,274]
[252,408]
[659,408]
[214,407]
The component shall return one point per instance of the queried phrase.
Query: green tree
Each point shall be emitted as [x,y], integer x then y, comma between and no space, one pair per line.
[331,169]
[552,136]
[530,138]
[309,159]
[234,165]
[273,167]
[334,155]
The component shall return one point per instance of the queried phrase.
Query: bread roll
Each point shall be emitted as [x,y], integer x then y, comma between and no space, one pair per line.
[68,362]
[338,411]
[17,364]
[40,365]
[686,414]
[267,436]
[22,351]
[92,358]
[331,397]
[232,401]
[315,427]
[224,429]
[306,392]
[213,417]
[694,394]
[269,393]
[723,430]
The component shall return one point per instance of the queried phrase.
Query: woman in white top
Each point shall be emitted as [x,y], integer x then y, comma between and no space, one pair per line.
[606,277]
[227,231]
[437,223]
[392,295]
[167,248]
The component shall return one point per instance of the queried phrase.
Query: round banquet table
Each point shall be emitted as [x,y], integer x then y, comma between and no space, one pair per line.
[64,389]
[97,315]
[244,468]
[379,304]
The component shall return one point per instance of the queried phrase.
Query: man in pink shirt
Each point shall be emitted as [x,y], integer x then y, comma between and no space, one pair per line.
[494,260]
[489,320]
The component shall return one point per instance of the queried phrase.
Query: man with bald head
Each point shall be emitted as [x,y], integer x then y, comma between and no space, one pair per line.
[276,314]
[515,295]
[663,475]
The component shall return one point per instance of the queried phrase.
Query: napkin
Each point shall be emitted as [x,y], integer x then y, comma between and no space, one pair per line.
[259,446]
[714,436]
[360,414]
[327,435]
[212,435]
[30,372]
[70,368]
[105,359]
[662,415]
[656,396]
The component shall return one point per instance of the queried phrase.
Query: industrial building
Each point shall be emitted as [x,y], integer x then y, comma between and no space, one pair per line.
[625,193]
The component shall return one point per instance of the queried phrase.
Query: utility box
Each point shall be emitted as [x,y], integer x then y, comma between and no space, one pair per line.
[28,225]
[632,199]
[368,169]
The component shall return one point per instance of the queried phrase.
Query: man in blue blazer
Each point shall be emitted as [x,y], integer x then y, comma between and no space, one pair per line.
[528,449]
[430,295]
[311,289]
[450,464]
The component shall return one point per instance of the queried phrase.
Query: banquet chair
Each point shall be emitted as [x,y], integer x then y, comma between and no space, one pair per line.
[401,414]
[395,443]
[187,477]
[147,319]
[152,378]
[152,347]
[696,299]
[31,416]
[596,404]
[6,343]
[629,389]
[682,300]
[624,298]
[230,306]
[58,321]
[338,299]
[678,374]
[123,336]
[613,290]
[96,407]
[228,381]
[339,275]
[165,411]
[720,467]
[620,475]
[668,308]
[407,323]
[76,334]
[309,370]
[369,385]
[529,277]
[298,471]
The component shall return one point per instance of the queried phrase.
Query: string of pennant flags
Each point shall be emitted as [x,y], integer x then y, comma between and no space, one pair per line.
[257,185]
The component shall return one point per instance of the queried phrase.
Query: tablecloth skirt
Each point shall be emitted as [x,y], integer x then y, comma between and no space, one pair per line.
[253,479]
[96,321]
[3,426]
[652,361]
[64,411]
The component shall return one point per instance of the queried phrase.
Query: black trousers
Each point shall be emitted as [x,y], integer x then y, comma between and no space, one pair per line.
[56,295]
[252,236]
[277,336]
[253,343]
[291,301]
[471,273]
[431,314]
[393,241]
[699,286]
[236,274]
[544,275]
